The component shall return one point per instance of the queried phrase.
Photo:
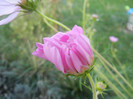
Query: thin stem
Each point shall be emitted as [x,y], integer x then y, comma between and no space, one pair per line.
[93,86]
[114,55]
[115,77]
[117,60]
[52,20]
[50,25]
[115,89]
[84,14]
[113,68]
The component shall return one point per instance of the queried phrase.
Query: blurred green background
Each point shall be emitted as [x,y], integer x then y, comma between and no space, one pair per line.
[23,76]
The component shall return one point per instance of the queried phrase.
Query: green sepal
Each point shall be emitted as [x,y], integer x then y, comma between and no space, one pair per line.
[29,5]
[85,73]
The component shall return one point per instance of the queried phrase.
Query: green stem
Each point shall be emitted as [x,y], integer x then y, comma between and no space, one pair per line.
[117,60]
[113,68]
[52,20]
[50,25]
[114,55]
[93,86]
[84,15]
[115,77]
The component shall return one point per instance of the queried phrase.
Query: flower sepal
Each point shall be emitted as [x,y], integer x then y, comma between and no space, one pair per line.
[84,73]
[29,5]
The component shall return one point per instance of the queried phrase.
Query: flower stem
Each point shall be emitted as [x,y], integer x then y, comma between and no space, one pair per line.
[117,60]
[93,86]
[115,77]
[114,55]
[52,20]
[113,68]
[84,14]
[50,25]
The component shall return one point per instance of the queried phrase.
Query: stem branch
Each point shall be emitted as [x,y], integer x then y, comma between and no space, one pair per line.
[113,68]
[52,20]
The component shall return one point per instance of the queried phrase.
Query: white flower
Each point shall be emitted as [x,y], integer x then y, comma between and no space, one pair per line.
[10,8]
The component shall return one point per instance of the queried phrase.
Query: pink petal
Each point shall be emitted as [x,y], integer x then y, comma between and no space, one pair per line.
[58,35]
[85,43]
[113,39]
[53,42]
[64,38]
[58,62]
[69,62]
[85,57]
[54,56]
[77,30]
[39,51]
[76,61]
[62,52]
[9,18]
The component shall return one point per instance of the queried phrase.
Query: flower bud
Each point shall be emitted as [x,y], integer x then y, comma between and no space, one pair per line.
[29,5]
[100,86]
[95,17]
[113,39]
[70,52]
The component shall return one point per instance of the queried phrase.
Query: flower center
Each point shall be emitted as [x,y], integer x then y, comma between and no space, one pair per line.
[101,86]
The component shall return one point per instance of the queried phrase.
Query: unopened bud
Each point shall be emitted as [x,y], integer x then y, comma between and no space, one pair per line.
[29,5]
[100,86]
[95,17]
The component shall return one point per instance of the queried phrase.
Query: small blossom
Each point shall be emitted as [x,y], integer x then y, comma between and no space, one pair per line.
[70,52]
[100,86]
[95,17]
[113,39]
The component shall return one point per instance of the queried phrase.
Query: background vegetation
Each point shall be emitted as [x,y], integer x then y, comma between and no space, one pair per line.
[23,76]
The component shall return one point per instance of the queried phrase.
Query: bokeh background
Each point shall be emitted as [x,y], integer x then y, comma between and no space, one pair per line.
[24,76]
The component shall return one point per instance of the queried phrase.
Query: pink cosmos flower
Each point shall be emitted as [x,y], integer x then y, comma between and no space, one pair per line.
[70,52]
[113,39]
[10,8]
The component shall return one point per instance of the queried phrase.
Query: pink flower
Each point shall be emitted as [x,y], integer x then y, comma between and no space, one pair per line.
[113,39]
[10,8]
[70,52]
